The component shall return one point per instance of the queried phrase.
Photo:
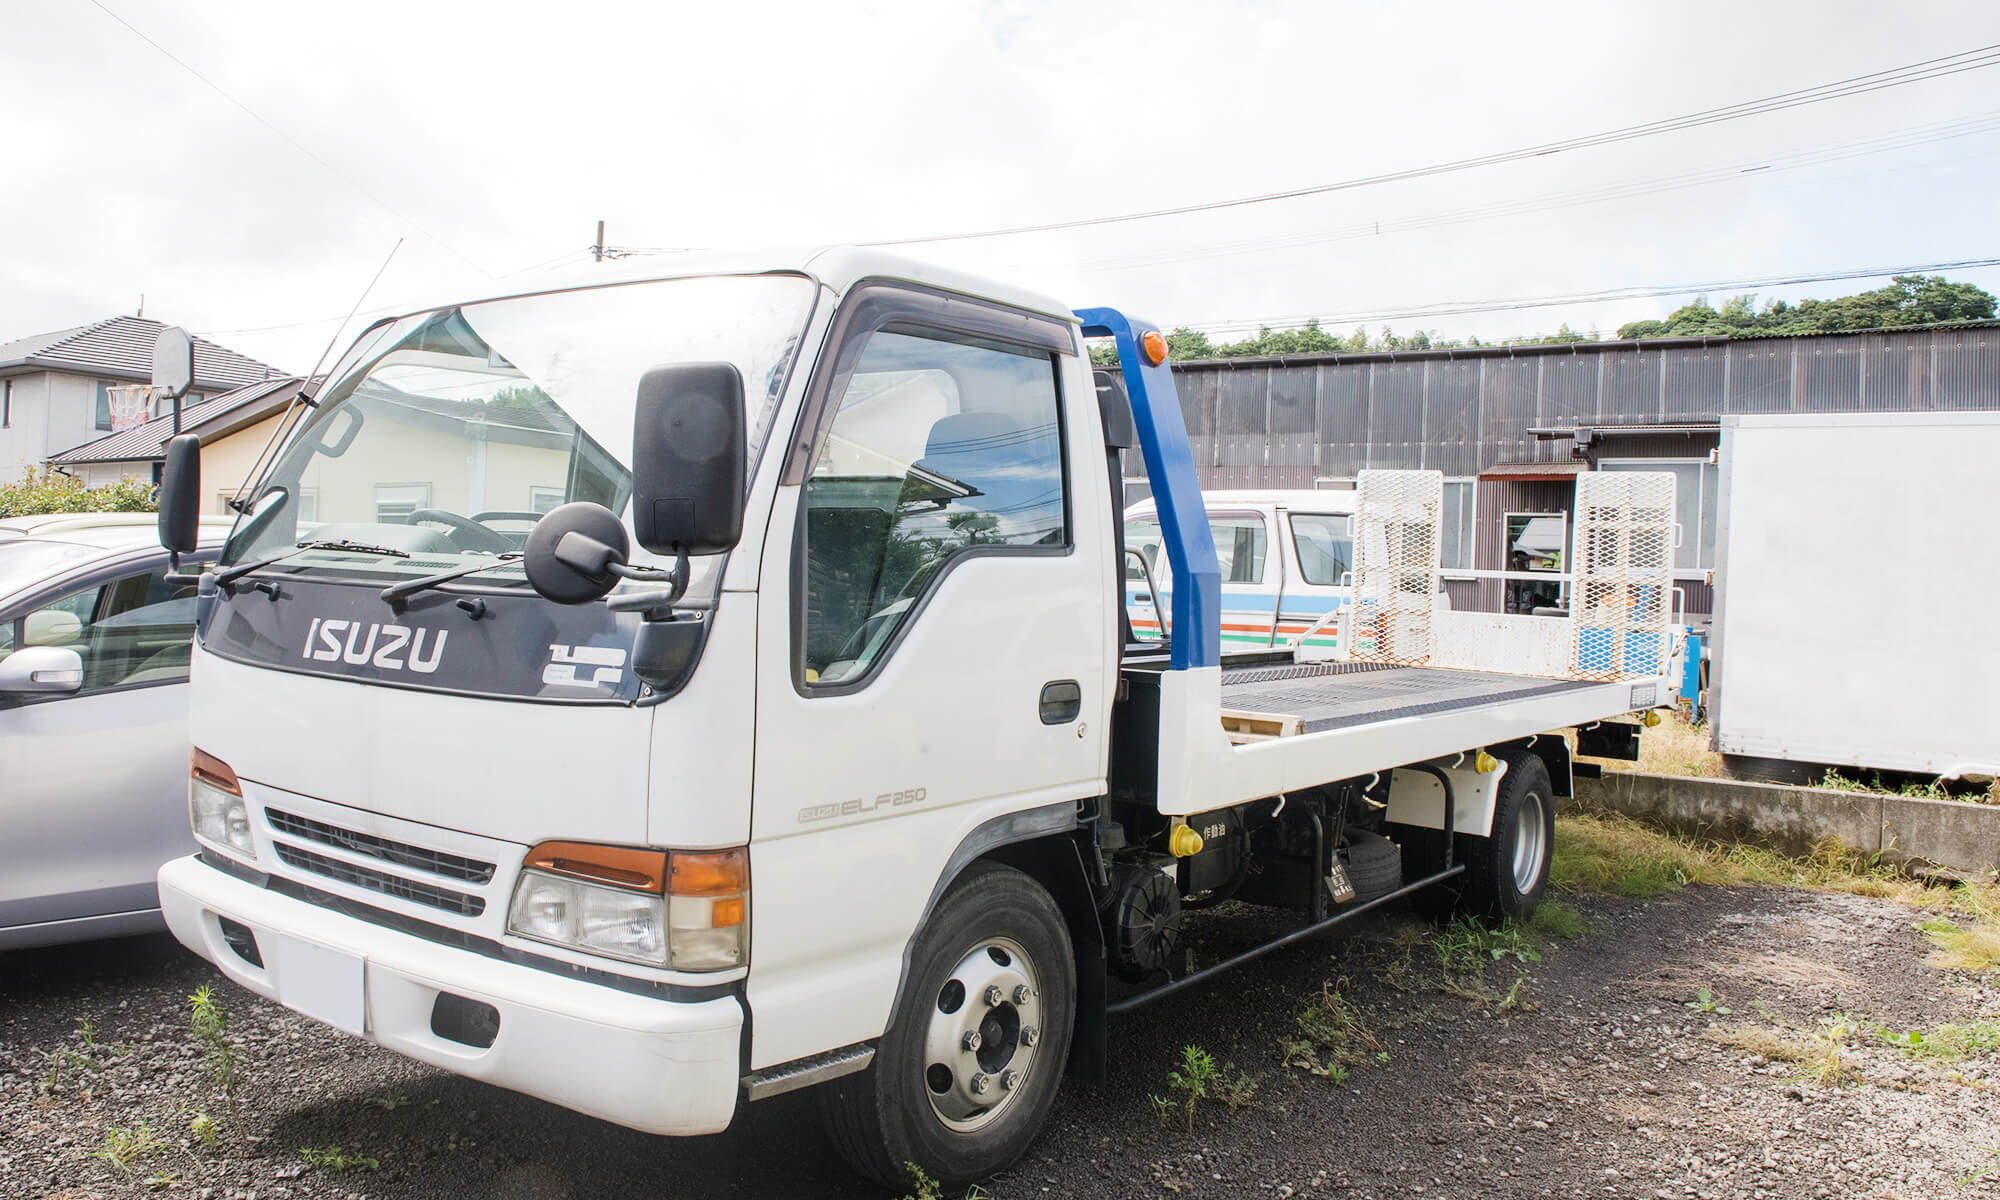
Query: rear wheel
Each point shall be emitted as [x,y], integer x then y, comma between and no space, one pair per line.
[1506,873]
[972,1060]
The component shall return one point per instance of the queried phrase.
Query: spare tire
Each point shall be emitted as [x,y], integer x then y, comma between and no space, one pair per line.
[1374,864]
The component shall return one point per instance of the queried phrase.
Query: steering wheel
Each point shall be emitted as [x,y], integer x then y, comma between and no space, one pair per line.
[481,538]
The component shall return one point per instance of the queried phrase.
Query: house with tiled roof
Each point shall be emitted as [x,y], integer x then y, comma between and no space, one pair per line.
[233,427]
[56,389]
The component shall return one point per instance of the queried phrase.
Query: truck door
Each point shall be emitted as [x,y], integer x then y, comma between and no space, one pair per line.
[942,660]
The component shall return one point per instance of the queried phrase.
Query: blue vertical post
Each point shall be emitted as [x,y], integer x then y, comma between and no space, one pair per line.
[1163,442]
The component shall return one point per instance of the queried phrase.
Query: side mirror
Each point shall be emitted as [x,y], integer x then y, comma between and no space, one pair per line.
[575,552]
[41,670]
[180,495]
[689,446]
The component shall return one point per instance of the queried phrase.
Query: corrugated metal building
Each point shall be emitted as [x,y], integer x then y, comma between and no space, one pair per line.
[1509,425]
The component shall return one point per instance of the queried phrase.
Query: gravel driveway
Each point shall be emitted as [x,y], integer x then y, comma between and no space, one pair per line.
[1596,1070]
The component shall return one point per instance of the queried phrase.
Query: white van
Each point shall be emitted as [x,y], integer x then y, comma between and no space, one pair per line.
[1286,558]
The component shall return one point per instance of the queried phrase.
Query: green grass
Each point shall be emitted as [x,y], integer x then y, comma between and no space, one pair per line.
[1558,919]
[333,1158]
[1330,1038]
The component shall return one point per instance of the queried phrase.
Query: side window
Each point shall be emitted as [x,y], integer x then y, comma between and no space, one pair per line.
[1325,549]
[1240,544]
[132,631]
[937,448]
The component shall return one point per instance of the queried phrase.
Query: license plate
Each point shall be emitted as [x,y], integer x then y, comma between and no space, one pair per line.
[322,983]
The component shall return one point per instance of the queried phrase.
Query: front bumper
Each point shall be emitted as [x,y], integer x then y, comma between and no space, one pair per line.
[657,1065]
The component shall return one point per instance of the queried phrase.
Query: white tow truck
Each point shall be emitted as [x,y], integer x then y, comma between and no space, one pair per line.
[696,685]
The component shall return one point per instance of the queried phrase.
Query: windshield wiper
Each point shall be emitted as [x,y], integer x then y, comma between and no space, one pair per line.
[227,576]
[396,593]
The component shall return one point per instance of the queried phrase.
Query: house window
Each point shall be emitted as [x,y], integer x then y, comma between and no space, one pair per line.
[1458,524]
[102,418]
[542,500]
[394,502]
[6,403]
[1536,543]
[1696,482]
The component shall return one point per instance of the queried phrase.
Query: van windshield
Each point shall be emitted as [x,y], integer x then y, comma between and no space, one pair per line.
[444,437]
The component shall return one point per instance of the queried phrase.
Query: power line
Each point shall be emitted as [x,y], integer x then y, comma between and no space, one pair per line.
[1637,292]
[289,140]
[1761,165]
[1918,72]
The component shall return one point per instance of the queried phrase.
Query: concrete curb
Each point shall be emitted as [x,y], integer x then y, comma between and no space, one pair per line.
[1953,834]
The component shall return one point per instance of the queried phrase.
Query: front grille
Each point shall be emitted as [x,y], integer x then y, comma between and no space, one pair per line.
[451,866]
[379,881]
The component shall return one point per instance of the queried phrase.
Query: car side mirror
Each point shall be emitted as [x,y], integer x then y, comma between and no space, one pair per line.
[180,495]
[41,670]
[689,452]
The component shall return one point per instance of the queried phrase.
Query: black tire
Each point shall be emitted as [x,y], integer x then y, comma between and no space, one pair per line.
[1374,865]
[890,1116]
[1506,873]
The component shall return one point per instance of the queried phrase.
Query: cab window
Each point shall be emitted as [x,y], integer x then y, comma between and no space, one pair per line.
[1240,544]
[1324,546]
[938,448]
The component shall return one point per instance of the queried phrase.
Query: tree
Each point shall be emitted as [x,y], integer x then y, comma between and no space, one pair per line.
[1908,300]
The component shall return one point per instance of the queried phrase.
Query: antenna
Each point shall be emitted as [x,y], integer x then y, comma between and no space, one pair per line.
[278,435]
[597,251]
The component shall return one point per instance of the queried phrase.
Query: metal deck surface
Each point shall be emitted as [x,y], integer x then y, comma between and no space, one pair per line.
[1339,695]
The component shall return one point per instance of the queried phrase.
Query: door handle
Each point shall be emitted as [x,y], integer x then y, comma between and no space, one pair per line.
[1062,700]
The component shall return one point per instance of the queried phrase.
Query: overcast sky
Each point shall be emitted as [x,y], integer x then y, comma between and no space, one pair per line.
[492,136]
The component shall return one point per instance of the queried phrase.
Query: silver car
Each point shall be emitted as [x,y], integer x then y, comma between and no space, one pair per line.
[94,644]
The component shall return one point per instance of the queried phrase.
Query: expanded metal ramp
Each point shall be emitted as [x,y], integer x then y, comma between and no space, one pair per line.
[1340,695]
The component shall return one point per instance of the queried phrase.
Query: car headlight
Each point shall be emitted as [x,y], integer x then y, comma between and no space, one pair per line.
[216,809]
[681,909]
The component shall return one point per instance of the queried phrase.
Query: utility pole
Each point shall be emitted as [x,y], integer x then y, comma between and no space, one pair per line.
[597,251]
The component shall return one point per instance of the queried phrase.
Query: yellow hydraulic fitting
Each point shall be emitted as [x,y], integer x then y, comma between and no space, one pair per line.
[1652,717]
[1184,842]
[1485,763]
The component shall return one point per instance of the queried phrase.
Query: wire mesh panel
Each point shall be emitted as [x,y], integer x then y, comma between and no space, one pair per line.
[1398,548]
[1623,562]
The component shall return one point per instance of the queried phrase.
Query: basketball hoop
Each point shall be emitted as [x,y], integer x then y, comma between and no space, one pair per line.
[130,405]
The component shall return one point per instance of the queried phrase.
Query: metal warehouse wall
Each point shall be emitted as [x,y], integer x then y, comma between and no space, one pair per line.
[1274,422]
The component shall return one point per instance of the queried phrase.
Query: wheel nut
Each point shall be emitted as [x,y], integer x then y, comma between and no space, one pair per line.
[970,1041]
[1008,1079]
[1030,1035]
[994,995]
[978,1084]
[1022,993]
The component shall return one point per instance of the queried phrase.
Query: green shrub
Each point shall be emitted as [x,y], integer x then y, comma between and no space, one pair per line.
[47,490]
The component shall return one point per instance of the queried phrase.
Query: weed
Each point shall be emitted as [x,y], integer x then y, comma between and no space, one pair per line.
[161,1180]
[1330,1039]
[1516,999]
[1972,945]
[1468,943]
[1189,1084]
[1236,1089]
[925,1188]
[1827,1065]
[211,1027]
[389,1103]
[123,1147]
[1706,1001]
[1947,1043]
[1556,919]
[1974,1177]
[333,1158]
[203,1127]
[1754,1040]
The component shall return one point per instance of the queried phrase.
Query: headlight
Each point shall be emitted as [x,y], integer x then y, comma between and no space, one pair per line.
[216,808]
[611,921]
[687,910]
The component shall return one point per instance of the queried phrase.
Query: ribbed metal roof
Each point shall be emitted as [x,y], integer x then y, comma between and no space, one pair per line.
[148,442]
[123,347]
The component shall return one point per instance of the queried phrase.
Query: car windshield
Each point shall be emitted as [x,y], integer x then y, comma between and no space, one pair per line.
[444,437]
[25,563]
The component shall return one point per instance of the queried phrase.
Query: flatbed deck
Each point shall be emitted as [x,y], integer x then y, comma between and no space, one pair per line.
[1338,695]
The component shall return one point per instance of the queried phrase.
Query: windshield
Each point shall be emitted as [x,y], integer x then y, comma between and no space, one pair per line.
[445,436]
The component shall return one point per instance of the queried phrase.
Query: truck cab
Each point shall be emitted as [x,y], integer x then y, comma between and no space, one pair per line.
[704,684]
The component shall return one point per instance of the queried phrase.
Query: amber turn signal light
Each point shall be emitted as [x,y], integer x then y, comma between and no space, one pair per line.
[642,870]
[1154,346]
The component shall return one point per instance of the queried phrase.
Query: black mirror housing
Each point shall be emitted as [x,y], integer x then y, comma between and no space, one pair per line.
[689,446]
[180,495]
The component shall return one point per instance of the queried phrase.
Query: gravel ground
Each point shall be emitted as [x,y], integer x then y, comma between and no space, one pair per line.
[1599,1081]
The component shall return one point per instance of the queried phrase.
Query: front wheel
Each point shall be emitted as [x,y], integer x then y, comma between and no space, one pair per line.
[974,1055]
